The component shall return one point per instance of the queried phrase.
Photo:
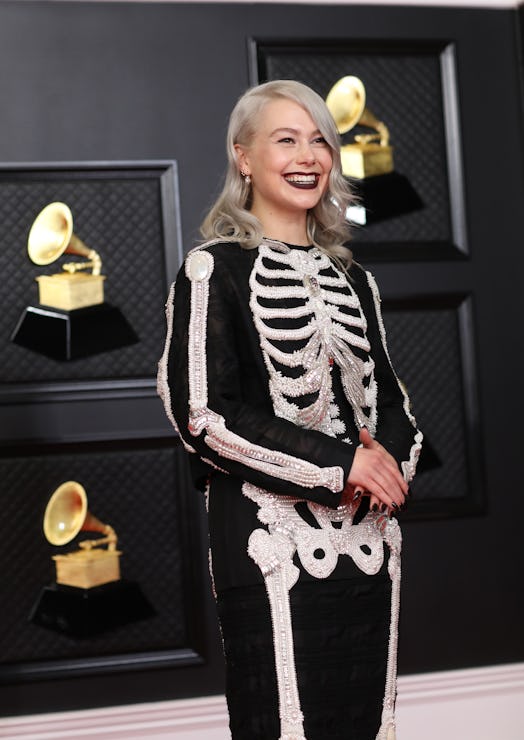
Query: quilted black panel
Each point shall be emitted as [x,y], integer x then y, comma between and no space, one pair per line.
[403,89]
[144,494]
[119,217]
[426,350]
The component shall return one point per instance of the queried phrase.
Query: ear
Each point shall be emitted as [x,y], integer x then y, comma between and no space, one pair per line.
[242,159]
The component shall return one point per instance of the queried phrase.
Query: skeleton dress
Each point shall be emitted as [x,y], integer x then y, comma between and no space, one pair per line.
[274,360]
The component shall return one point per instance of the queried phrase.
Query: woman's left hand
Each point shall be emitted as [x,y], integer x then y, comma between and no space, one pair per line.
[356,492]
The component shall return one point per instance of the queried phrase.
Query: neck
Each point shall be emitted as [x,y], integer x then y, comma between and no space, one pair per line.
[289,229]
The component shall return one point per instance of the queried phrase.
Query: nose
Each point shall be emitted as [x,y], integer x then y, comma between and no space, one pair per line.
[306,153]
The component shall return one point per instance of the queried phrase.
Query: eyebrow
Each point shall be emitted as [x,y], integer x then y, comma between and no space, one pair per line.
[291,131]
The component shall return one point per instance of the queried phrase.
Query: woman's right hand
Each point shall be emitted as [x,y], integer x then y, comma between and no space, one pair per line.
[375,472]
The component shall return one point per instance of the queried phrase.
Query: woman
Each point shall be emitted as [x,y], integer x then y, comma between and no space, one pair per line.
[277,377]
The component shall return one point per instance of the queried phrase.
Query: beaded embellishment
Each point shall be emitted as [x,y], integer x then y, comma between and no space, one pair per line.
[321,315]
[318,550]
[324,325]
[199,266]
[162,385]
[409,466]
[299,297]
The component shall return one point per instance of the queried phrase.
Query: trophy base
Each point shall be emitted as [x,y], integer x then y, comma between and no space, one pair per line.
[366,160]
[386,196]
[79,612]
[70,335]
[88,568]
[70,292]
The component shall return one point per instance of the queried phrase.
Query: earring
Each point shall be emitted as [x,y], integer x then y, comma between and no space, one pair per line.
[247,178]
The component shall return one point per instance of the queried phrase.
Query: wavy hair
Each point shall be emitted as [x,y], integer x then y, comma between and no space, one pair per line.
[230,217]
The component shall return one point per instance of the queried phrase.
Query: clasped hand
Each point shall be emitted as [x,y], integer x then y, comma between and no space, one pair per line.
[375,472]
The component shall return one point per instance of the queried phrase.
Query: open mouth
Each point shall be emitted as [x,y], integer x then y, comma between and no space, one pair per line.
[303,182]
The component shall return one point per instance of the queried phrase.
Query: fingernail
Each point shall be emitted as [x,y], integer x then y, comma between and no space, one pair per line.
[395,506]
[374,507]
[383,507]
[357,495]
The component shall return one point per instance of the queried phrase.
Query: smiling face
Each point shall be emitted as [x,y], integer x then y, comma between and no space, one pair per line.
[289,163]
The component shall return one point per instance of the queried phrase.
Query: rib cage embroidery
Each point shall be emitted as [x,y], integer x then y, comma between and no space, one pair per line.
[301,298]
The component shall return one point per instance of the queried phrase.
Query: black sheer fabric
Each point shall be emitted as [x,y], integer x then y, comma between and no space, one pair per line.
[237,383]
[340,624]
[340,633]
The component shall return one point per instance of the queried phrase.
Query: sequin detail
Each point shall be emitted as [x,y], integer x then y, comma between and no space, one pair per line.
[319,548]
[277,464]
[273,551]
[199,268]
[326,324]
[409,466]
[162,384]
[273,554]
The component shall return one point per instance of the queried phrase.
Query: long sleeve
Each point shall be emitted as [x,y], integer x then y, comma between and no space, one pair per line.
[396,426]
[209,386]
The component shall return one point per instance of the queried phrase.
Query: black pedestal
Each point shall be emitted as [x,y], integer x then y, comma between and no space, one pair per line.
[84,612]
[69,335]
[386,196]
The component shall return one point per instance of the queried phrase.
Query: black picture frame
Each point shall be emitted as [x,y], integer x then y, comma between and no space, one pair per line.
[404,237]
[441,381]
[174,635]
[129,212]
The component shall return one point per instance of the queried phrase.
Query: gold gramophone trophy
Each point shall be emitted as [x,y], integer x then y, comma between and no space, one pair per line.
[72,319]
[368,159]
[50,237]
[369,154]
[88,596]
[67,515]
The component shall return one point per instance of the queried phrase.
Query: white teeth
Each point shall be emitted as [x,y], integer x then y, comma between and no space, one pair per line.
[301,178]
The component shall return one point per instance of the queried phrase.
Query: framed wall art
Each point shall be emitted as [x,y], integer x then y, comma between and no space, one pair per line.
[143,491]
[63,332]
[431,343]
[415,208]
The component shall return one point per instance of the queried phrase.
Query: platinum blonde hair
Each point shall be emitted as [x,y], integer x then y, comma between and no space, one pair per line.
[230,216]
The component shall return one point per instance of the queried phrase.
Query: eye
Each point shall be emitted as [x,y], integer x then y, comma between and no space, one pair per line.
[320,140]
[286,140]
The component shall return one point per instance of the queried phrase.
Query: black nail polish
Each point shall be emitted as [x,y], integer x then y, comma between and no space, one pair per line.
[357,495]
[383,508]
[374,507]
[395,506]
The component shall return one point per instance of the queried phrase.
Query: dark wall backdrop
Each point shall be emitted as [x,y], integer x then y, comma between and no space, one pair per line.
[130,82]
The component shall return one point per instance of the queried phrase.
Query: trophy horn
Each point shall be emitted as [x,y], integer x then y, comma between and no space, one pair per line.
[346,102]
[67,514]
[51,235]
